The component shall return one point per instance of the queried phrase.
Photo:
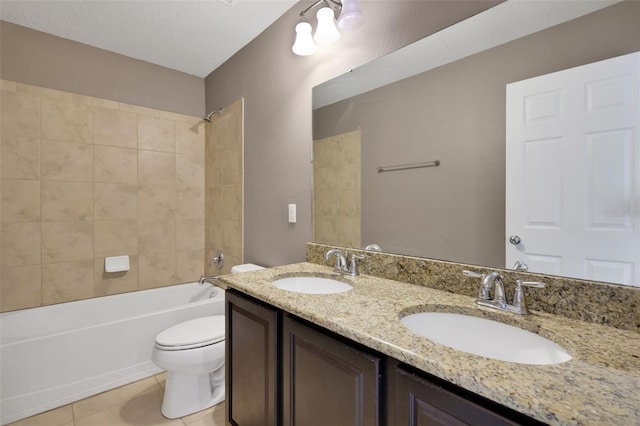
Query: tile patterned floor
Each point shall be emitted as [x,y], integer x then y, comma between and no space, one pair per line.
[135,404]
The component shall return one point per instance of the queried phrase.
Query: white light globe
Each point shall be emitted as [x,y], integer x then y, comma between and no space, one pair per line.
[304,45]
[326,31]
[351,15]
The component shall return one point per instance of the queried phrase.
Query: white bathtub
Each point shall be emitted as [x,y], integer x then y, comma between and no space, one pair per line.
[53,355]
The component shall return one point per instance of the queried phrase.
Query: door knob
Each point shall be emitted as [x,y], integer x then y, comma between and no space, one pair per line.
[515,240]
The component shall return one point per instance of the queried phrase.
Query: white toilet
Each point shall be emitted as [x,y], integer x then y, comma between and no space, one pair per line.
[192,354]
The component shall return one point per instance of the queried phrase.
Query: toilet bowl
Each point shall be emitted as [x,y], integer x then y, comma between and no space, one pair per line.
[192,353]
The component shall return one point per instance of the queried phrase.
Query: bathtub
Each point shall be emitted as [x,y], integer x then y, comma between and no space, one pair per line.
[53,355]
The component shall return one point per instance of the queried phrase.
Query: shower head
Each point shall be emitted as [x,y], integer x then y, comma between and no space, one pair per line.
[207,118]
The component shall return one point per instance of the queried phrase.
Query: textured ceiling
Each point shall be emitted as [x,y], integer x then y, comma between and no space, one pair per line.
[195,37]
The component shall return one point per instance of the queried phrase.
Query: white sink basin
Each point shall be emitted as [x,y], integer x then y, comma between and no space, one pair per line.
[486,338]
[312,285]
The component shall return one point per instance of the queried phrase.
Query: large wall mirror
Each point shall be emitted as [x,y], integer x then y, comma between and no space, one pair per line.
[443,100]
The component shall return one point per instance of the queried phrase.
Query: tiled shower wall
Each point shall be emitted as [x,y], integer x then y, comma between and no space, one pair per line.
[84,178]
[223,183]
[336,190]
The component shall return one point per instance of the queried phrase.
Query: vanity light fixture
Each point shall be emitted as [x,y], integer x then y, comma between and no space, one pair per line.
[326,31]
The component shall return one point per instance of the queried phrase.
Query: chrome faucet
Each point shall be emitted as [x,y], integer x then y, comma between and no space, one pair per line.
[204,278]
[342,266]
[491,294]
[341,260]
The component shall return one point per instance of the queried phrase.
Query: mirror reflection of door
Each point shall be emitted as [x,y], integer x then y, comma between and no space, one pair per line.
[573,172]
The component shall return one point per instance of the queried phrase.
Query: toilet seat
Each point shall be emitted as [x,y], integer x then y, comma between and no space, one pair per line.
[192,334]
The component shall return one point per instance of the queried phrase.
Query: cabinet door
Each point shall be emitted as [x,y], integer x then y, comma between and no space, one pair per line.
[325,381]
[420,402]
[251,362]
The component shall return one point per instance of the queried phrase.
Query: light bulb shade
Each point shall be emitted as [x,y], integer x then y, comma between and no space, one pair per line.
[304,45]
[351,15]
[326,31]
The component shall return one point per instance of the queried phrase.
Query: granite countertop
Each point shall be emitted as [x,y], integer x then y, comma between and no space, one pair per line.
[599,386]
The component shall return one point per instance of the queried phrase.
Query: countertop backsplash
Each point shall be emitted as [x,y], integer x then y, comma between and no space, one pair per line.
[607,304]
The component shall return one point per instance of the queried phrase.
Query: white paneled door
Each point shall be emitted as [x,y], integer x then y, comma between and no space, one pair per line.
[573,172]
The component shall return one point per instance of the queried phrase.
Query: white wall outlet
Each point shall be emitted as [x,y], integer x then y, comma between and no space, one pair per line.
[292,213]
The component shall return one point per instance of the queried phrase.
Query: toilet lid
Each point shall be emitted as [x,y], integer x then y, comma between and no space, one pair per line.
[193,333]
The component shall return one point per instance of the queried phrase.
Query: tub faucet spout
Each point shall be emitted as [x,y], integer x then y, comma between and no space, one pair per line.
[204,278]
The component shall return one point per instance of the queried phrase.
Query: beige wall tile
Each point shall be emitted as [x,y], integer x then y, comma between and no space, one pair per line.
[115,165]
[21,287]
[67,281]
[20,201]
[43,92]
[155,236]
[8,86]
[21,243]
[115,128]
[324,203]
[67,161]
[67,241]
[325,230]
[157,269]
[190,265]
[67,201]
[189,171]
[167,115]
[232,237]
[231,166]
[66,96]
[115,201]
[231,203]
[116,238]
[66,121]
[156,134]
[156,168]
[190,138]
[189,234]
[115,282]
[190,203]
[20,115]
[232,125]
[58,417]
[20,157]
[156,202]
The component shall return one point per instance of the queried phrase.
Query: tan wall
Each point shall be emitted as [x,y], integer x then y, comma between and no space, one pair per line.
[83,178]
[41,59]
[336,190]
[223,182]
[276,86]
[456,114]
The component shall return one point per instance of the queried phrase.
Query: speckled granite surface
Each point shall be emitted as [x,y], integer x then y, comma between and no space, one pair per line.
[600,303]
[599,386]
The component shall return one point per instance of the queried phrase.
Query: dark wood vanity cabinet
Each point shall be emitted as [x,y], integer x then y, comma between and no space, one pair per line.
[285,371]
[420,402]
[326,381]
[251,368]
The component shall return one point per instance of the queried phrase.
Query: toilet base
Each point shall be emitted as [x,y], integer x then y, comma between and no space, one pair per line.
[187,394]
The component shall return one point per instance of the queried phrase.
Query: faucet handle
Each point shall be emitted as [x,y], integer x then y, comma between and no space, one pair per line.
[472,274]
[519,300]
[354,264]
[535,284]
